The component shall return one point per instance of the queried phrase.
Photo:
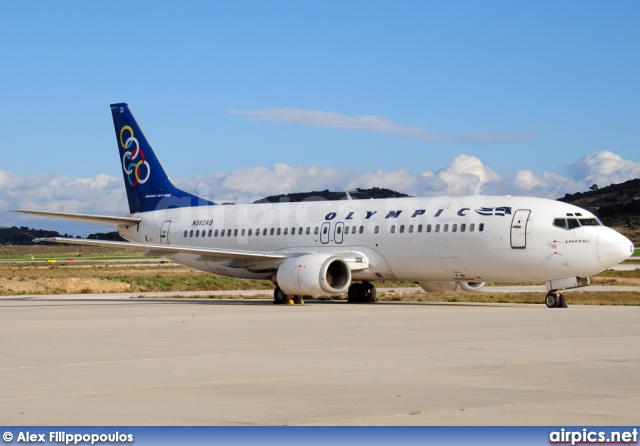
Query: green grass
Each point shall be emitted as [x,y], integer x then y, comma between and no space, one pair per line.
[191,282]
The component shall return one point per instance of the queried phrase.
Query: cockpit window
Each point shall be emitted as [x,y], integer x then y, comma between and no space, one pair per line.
[589,222]
[560,222]
[573,223]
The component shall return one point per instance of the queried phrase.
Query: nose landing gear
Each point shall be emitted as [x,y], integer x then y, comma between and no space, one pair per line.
[555,300]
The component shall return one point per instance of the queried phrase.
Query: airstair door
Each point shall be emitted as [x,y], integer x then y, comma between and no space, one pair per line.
[519,229]
[164,232]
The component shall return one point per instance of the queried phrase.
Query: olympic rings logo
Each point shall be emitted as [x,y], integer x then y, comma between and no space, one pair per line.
[133,160]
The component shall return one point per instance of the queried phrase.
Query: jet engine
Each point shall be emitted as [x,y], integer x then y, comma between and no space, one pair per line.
[313,275]
[450,286]
[471,286]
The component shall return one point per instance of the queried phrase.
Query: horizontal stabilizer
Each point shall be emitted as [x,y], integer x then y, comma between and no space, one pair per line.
[86,218]
[209,253]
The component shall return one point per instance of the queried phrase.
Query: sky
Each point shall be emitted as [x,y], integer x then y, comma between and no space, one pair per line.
[245,99]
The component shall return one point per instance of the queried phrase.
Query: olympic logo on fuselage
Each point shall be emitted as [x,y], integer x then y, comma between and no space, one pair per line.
[132,160]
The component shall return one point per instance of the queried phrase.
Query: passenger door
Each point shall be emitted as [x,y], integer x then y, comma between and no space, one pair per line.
[164,232]
[519,229]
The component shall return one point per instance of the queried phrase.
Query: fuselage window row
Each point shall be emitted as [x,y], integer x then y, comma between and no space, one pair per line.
[562,223]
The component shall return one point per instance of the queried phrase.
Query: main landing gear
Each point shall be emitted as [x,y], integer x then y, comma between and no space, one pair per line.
[279,298]
[359,293]
[555,300]
[362,293]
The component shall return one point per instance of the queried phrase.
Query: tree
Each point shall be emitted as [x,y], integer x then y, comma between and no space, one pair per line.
[594,187]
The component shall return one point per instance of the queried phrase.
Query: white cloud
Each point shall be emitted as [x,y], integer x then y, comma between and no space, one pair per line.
[368,123]
[604,168]
[463,175]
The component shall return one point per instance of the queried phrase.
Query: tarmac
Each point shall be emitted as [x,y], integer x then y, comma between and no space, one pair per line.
[114,360]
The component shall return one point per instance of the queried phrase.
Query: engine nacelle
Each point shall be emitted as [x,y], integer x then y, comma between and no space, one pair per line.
[471,286]
[450,286]
[438,287]
[314,275]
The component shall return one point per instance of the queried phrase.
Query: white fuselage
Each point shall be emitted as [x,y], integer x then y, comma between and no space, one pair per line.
[471,238]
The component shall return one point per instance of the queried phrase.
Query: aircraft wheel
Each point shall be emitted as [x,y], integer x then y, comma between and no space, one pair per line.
[298,300]
[356,290]
[561,302]
[279,298]
[370,293]
[551,300]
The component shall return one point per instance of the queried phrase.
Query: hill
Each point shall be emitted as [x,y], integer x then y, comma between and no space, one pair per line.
[615,205]
[24,236]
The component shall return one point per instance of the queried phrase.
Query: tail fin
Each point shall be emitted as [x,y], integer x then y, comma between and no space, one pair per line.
[149,188]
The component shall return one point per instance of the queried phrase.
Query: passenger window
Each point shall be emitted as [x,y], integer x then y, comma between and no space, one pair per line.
[428,228]
[401,229]
[481,227]
[573,223]
[463,227]
[242,233]
[264,232]
[191,233]
[410,229]
[454,227]
[286,231]
[198,233]
[249,232]
[257,231]
[353,229]
[235,232]
[438,227]
[315,230]
[560,222]
[215,233]
[210,232]
[419,228]
[308,230]
[446,227]
[185,233]
[293,231]
[361,229]
[376,229]
[278,231]
[346,229]
[393,229]
[271,231]
[472,226]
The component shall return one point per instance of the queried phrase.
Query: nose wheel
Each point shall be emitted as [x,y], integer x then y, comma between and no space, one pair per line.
[555,300]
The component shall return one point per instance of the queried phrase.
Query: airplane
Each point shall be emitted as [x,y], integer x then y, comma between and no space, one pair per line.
[314,248]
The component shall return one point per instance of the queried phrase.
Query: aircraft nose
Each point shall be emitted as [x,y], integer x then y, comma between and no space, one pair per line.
[613,247]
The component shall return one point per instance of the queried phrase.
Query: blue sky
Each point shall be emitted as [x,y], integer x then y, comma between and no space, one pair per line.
[515,97]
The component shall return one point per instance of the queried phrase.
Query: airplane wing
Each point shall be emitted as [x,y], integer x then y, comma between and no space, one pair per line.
[155,249]
[86,218]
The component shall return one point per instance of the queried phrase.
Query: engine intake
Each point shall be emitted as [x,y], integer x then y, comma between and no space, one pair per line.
[314,275]
[450,286]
